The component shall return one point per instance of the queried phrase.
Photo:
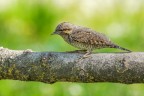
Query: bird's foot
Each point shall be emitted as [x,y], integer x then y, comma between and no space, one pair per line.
[87,55]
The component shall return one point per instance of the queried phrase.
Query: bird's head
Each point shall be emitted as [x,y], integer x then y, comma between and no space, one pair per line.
[64,28]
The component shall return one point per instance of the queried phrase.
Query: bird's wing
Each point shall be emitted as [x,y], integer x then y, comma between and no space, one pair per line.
[86,35]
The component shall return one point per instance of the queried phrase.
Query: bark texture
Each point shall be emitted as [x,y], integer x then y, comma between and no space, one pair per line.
[51,67]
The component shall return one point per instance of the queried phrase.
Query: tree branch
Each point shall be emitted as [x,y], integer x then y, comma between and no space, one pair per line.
[50,67]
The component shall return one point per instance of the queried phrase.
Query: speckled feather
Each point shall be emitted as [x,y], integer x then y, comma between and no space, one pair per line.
[86,35]
[84,38]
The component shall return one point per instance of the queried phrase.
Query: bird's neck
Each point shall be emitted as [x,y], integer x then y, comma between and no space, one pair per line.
[66,37]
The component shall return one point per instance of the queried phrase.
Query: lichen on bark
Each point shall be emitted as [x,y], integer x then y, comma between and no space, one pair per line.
[51,67]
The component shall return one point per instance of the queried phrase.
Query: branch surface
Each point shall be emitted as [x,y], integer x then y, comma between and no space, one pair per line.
[51,67]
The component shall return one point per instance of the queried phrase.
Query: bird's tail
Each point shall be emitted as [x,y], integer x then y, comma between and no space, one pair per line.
[118,47]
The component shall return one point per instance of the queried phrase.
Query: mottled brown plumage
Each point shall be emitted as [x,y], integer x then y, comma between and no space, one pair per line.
[84,38]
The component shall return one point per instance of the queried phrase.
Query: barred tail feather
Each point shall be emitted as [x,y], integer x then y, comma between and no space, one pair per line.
[118,47]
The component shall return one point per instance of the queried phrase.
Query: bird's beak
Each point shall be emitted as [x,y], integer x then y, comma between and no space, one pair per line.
[54,33]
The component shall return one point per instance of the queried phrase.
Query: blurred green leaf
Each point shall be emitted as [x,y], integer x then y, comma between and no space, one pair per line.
[28,24]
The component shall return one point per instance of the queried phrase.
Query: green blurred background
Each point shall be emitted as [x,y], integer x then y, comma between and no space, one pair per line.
[27,24]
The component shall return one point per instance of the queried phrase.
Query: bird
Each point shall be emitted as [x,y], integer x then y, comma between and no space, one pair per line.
[84,38]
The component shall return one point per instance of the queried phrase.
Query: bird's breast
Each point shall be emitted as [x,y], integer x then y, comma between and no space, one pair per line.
[78,45]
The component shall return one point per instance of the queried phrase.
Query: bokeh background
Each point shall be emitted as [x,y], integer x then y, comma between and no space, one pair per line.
[27,24]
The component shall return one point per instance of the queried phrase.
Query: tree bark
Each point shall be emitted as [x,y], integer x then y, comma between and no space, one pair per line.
[51,67]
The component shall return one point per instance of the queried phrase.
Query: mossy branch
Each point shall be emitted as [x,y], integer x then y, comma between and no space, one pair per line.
[50,67]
